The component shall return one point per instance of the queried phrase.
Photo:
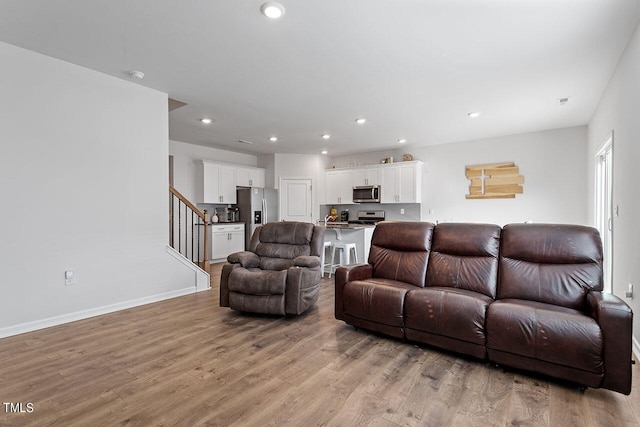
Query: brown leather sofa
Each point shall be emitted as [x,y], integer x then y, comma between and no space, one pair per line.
[278,274]
[528,296]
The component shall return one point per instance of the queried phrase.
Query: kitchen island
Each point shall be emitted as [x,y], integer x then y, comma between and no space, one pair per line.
[360,234]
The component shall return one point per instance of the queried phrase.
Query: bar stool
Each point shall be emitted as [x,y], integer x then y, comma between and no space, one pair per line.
[345,250]
[327,245]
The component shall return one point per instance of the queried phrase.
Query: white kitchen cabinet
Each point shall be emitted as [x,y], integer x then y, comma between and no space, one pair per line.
[225,240]
[366,176]
[250,177]
[217,183]
[401,183]
[339,187]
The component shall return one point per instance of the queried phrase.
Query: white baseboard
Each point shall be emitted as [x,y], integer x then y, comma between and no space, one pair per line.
[202,278]
[635,348]
[85,314]
[201,282]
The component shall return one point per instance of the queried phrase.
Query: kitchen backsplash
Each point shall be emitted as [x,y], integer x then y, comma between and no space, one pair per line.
[392,211]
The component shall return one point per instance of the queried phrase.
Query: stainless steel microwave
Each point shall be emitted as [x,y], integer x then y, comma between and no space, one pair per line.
[366,194]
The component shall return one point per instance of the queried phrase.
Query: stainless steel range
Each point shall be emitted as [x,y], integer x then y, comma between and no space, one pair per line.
[368,217]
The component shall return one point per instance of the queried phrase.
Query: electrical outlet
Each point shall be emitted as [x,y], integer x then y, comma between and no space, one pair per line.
[69,278]
[401,211]
[629,292]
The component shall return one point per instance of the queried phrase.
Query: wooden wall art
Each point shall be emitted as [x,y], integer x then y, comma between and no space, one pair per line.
[494,181]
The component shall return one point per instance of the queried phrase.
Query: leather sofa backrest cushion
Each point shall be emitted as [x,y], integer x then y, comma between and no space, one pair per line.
[554,264]
[400,251]
[465,256]
[280,242]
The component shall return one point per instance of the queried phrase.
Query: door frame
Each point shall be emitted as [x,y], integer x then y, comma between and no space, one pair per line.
[604,207]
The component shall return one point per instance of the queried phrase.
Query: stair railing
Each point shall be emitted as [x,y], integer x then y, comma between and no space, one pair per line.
[188,229]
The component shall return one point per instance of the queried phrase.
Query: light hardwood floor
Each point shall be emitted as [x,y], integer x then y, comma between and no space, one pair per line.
[188,362]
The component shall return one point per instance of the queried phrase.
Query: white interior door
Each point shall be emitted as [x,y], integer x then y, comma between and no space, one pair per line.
[295,199]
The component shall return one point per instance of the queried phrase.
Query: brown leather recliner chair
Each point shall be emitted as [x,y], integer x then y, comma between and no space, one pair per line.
[279,273]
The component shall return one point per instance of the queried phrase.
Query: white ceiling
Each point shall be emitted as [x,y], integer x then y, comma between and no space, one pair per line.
[413,68]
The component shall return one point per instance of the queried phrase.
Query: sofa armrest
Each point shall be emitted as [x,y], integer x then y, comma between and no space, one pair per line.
[616,323]
[246,259]
[344,275]
[308,261]
[224,283]
[302,288]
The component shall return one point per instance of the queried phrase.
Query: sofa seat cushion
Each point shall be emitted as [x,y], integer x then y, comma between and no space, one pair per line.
[451,312]
[378,300]
[268,263]
[554,334]
[254,281]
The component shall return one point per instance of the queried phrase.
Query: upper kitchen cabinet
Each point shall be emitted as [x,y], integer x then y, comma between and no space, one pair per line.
[250,177]
[401,183]
[339,187]
[366,176]
[217,183]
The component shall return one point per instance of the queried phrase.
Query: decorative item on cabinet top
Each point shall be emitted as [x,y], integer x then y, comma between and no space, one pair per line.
[494,181]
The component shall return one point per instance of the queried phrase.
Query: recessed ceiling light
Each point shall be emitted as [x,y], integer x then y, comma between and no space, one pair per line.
[324,151]
[326,136]
[137,75]
[361,121]
[273,138]
[272,9]
[402,141]
[206,121]
[473,114]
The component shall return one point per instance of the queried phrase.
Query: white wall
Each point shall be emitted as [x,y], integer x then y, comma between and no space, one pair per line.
[186,156]
[553,164]
[84,170]
[363,159]
[267,162]
[618,112]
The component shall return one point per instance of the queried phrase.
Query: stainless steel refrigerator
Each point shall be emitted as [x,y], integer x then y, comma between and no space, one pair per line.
[257,206]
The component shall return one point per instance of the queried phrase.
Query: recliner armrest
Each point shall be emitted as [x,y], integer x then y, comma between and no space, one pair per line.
[245,258]
[616,323]
[345,274]
[306,261]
